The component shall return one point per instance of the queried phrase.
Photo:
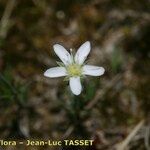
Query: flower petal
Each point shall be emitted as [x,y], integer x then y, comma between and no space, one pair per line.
[82,52]
[75,85]
[55,72]
[62,53]
[93,70]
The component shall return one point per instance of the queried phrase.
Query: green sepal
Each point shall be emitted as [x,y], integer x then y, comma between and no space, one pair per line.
[60,64]
[66,78]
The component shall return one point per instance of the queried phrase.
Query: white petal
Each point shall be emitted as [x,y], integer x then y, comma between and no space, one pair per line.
[62,53]
[93,70]
[82,52]
[55,72]
[75,85]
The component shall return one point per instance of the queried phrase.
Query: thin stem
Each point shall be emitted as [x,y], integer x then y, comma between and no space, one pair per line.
[8,84]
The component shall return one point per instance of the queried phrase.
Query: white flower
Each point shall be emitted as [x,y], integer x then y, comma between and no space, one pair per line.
[73,67]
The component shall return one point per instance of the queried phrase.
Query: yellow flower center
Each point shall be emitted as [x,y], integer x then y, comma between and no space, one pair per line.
[74,70]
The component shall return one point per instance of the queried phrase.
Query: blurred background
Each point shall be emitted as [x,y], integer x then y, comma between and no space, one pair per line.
[113,109]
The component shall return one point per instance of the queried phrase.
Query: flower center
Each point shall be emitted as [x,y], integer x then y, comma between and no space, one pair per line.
[74,70]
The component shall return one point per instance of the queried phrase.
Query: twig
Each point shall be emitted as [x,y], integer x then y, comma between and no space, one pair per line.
[68,132]
[121,15]
[4,23]
[123,145]
[147,138]
[100,93]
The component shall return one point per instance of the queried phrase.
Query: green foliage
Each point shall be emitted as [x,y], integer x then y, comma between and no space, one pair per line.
[116,60]
[11,91]
[75,108]
[90,90]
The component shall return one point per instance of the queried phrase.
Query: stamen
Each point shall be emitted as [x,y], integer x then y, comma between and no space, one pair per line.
[71,50]
[74,70]
[71,53]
